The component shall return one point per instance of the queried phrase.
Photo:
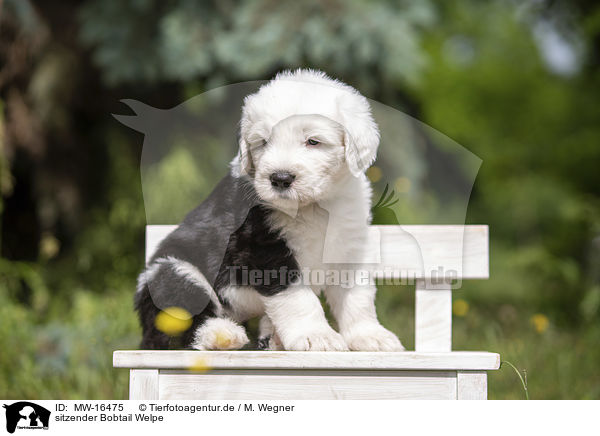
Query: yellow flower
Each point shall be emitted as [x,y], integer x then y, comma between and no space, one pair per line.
[402,184]
[173,320]
[374,174]
[200,365]
[540,322]
[49,246]
[460,307]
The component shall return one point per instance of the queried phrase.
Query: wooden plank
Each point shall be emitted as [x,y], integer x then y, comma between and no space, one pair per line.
[433,317]
[434,251]
[471,385]
[143,384]
[355,360]
[418,251]
[308,385]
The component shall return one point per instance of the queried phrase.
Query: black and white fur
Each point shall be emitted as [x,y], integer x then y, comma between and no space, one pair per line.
[318,137]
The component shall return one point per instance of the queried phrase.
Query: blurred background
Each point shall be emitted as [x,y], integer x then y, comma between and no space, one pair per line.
[516,83]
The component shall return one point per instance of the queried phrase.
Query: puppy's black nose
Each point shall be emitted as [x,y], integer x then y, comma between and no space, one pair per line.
[282,179]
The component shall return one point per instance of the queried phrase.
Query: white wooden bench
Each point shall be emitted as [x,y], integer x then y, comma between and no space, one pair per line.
[433,371]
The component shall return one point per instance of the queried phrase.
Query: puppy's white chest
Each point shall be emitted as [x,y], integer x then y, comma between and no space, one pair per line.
[305,235]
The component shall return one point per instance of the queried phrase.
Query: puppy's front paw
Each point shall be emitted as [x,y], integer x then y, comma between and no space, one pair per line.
[219,334]
[372,337]
[325,339]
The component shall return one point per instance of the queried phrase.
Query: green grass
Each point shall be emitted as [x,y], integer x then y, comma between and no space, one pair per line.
[69,355]
[561,363]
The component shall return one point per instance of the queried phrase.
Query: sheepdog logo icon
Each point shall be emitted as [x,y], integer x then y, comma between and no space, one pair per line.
[26,415]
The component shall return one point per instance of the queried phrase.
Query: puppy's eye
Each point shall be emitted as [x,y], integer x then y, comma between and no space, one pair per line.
[312,142]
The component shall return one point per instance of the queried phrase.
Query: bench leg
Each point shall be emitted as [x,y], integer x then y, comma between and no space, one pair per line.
[433,317]
[143,384]
[471,385]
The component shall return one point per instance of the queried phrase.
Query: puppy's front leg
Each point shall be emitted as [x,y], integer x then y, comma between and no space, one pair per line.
[354,311]
[267,337]
[299,321]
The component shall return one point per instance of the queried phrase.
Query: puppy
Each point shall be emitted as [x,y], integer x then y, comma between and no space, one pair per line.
[295,205]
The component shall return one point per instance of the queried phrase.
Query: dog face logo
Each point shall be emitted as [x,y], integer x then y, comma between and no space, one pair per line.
[301,146]
[26,415]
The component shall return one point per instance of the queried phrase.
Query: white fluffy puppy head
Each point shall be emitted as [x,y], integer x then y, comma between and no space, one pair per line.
[300,134]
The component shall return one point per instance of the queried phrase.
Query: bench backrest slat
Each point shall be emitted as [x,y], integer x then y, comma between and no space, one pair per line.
[427,251]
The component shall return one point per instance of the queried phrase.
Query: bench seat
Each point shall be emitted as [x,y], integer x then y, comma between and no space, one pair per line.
[338,360]
[297,375]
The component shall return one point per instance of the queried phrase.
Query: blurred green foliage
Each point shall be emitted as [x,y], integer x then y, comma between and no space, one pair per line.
[153,40]
[484,73]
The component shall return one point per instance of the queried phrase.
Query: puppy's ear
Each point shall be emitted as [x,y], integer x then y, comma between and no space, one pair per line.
[361,134]
[242,163]
[253,136]
[254,133]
